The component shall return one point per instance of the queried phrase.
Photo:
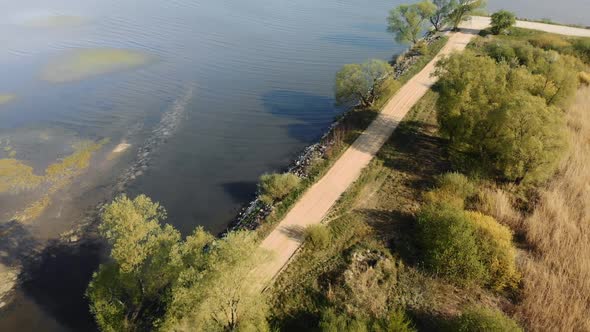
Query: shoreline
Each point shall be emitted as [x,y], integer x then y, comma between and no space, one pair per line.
[254,213]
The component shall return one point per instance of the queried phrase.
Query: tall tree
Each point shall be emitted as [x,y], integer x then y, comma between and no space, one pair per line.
[362,83]
[225,296]
[441,14]
[462,10]
[129,292]
[407,21]
[155,280]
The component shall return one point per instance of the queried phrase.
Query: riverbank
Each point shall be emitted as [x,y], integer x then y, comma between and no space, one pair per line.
[313,162]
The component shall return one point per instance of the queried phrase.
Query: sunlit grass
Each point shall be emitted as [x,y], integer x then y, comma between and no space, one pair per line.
[84,63]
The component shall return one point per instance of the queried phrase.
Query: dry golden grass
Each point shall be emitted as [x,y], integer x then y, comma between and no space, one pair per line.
[497,203]
[556,294]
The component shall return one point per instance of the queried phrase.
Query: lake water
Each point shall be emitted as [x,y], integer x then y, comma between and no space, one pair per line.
[210,95]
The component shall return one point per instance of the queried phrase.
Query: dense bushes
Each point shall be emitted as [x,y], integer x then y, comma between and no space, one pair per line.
[465,247]
[500,120]
[482,319]
[274,187]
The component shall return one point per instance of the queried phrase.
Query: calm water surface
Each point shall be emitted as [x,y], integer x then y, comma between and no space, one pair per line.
[249,84]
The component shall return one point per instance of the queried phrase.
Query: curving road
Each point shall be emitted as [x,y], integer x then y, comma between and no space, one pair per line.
[287,237]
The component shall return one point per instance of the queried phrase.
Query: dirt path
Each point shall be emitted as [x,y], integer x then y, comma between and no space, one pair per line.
[286,238]
[558,29]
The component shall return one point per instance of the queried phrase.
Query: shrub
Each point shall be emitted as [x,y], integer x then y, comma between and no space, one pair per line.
[275,187]
[582,48]
[496,251]
[332,321]
[449,244]
[465,246]
[453,189]
[549,42]
[584,78]
[488,320]
[318,235]
[501,21]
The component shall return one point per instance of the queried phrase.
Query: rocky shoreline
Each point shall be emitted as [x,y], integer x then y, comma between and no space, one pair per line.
[255,212]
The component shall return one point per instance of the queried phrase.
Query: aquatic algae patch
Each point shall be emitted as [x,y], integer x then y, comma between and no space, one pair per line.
[6,98]
[84,63]
[75,162]
[34,210]
[57,176]
[16,176]
[55,21]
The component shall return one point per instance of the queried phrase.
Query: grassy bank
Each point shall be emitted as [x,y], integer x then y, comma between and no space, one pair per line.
[371,265]
[377,215]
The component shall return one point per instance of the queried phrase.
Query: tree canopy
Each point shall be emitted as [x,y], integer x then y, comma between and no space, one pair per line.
[462,10]
[499,120]
[407,21]
[501,21]
[441,15]
[155,280]
[362,83]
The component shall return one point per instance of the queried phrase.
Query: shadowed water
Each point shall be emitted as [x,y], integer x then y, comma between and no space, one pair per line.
[206,95]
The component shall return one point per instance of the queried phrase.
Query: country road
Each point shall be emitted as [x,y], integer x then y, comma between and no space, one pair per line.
[286,238]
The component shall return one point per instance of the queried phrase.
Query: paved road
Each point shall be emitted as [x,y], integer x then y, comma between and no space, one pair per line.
[284,241]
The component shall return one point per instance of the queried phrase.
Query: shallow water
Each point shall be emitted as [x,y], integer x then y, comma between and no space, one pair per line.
[228,90]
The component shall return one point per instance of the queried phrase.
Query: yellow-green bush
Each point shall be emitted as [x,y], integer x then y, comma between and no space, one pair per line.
[449,244]
[483,319]
[274,187]
[452,189]
[584,78]
[496,251]
[465,246]
[318,236]
[549,42]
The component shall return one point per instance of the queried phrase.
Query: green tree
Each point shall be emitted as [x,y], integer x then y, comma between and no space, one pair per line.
[441,14]
[495,123]
[483,319]
[502,20]
[128,293]
[362,83]
[225,295]
[462,11]
[273,187]
[157,281]
[407,21]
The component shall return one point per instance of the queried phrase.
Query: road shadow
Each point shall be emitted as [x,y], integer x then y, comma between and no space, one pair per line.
[414,150]
[294,232]
[313,114]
